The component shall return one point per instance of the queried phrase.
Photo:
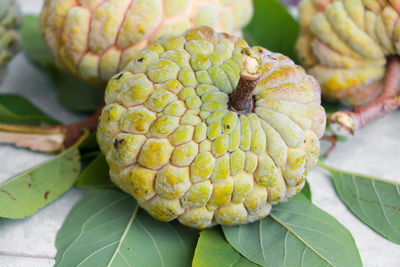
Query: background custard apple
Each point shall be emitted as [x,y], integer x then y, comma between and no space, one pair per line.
[94,39]
[10,43]
[345,44]
[177,144]
[352,48]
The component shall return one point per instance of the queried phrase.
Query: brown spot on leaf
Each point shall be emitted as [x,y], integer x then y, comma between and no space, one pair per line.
[8,193]
[46,194]
[29,185]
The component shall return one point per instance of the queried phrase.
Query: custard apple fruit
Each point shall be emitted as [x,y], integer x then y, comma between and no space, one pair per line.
[174,142]
[94,39]
[345,44]
[10,41]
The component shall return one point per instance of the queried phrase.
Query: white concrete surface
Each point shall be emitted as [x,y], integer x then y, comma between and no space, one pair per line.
[30,242]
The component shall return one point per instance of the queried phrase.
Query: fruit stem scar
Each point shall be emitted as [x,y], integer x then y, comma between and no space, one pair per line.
[388,101]
[241,99]
[47,139]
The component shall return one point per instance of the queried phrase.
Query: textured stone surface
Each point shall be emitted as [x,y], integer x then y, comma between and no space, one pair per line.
[375,150]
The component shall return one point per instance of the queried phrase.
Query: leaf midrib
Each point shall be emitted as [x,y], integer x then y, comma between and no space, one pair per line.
[14,115]
[126,230]
[358,175]
[82,231]
[298,237]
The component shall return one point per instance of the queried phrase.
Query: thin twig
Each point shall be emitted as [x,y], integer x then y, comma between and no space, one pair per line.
[332,140]
[47,139]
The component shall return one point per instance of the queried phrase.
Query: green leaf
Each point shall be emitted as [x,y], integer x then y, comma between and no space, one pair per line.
[297,233]
[31,190]
[307,191]
[15,109]
[273,27]
[33,44]
[77,95]
[374,201]
[90,144]
[96,174]
[106,228]
[213,250]
[73,94]
[331,107]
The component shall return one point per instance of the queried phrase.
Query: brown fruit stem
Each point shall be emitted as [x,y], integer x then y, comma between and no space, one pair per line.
[47,139]
[241,99]
[389,100]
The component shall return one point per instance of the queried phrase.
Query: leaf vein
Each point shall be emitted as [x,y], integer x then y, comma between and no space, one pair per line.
[128,226]
[301,239]
[154,242]
[85,223]
[96,251]
[382,208]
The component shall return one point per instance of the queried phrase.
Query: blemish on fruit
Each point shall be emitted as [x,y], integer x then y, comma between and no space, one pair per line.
[119,76]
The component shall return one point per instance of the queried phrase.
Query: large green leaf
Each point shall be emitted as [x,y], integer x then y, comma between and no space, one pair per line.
[15,109]
[297,233]
[31,190]
[96,174]
[213,250]
[73,94]
[273,27]
[106,228]
[374,201]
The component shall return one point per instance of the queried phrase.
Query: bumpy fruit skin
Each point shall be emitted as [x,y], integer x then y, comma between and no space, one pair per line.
[10,43]
[173,143]
[345,43]
[94,39]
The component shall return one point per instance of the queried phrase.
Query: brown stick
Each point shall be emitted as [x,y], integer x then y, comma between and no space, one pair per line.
[332,140]
[389,100]
[47,139]
[241,99]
